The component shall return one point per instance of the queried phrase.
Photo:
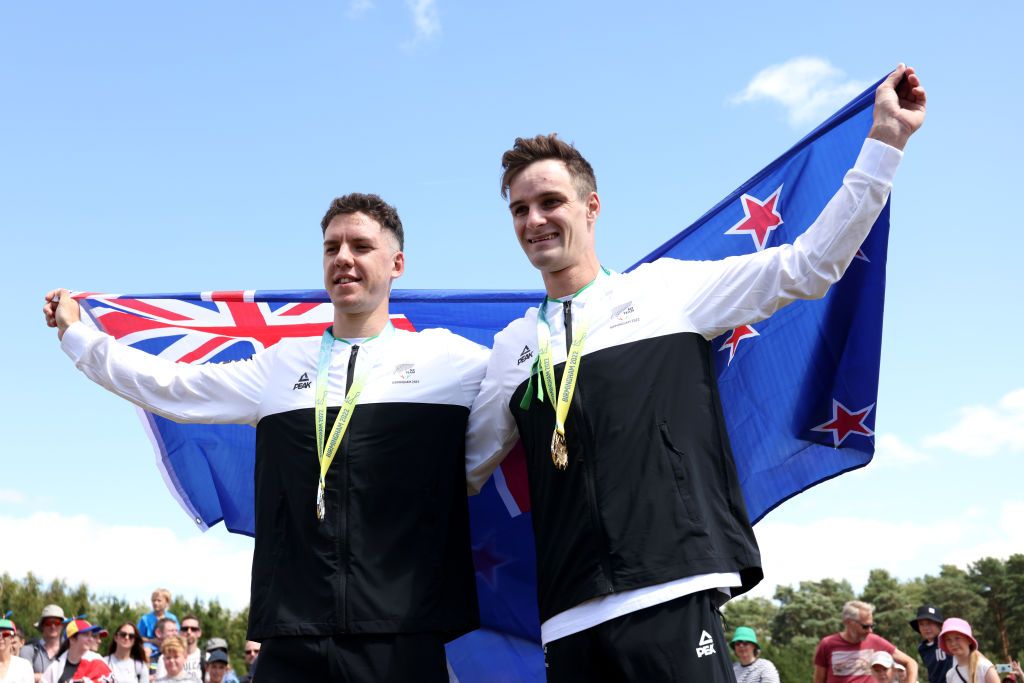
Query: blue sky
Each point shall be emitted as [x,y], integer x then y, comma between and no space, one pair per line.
[184,146]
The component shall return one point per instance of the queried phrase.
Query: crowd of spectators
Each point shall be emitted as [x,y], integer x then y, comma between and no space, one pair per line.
[948,652]
[160,648]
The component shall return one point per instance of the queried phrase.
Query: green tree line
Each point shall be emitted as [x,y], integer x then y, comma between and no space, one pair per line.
[989,595]
[26,598]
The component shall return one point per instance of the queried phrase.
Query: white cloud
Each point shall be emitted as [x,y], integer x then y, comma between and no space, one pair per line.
[11,496]
[892,450]
[810,88]
[986,430]
[425,18]
[128,561]
[849,547]
[357,8]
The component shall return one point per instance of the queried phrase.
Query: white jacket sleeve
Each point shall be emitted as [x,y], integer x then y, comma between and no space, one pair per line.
[211,393]
[741,290]
[492,430]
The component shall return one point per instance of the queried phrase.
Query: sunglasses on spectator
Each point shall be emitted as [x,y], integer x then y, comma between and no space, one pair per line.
[125,634]
[867,627]
[186,629]
[52,622]
[6,634]
[252,652]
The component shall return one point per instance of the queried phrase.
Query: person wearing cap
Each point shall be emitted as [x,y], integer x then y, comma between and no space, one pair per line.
[845,657]
[76,660]
[750,668]
[928,623]
[215,645]
[217,666]
[42,652]
[956,638]
[883,668]
[13,669]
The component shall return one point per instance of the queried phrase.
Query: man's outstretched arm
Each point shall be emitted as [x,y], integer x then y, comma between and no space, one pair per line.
[210,393]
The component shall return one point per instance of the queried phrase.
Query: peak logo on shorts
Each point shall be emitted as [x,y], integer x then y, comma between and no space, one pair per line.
[302,383]
[405,373]
[624,314]
[706,646]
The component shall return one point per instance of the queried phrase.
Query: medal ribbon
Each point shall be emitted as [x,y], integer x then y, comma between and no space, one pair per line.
[563,398]
[325,454]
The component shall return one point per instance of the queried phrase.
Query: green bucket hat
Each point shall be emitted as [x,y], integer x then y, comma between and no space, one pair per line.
[744,634]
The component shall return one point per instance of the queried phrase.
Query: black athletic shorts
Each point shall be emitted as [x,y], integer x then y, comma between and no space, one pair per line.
[679,640]
[385,658]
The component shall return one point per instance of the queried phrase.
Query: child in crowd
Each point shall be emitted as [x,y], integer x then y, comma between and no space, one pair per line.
[161,600]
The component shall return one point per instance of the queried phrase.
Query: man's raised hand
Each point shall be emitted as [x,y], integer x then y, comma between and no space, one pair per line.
[61,310]
[899,107]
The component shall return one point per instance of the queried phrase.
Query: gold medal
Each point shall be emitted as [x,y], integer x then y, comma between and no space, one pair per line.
[321,511]
[559,451]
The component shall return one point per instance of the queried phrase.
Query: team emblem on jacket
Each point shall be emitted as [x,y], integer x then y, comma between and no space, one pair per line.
[405,374]
[623,314]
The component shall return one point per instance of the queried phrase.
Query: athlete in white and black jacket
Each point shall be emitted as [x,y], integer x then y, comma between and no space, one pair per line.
[637,533]
[373,590]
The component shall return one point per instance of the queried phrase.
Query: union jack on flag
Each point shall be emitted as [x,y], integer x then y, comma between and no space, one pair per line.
[798,392]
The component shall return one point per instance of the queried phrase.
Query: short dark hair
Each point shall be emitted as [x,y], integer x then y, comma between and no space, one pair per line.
[526,151]
[373,207]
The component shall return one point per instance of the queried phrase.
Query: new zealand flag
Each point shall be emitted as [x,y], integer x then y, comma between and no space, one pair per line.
[798,390]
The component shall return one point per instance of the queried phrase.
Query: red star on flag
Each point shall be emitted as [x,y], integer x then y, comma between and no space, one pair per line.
[487,560]
[732,342]
[759,218]
[845,422]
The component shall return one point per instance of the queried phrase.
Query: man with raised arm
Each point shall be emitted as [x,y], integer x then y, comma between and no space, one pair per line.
[362,567]
[640,524]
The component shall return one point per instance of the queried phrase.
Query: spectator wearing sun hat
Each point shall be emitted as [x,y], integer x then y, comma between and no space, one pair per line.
[750,668]
[13,669]
[928,623]
[42,652]
[76,655]
[957,639]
